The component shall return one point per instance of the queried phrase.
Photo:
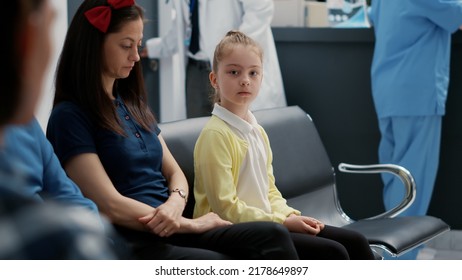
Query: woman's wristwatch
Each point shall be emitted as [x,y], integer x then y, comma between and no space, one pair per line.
[182,193]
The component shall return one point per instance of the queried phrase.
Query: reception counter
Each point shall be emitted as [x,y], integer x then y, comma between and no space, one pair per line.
[327,73]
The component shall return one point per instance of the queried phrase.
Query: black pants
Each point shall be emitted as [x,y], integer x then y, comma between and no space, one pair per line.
[332,243]
[253,240]
[198,89]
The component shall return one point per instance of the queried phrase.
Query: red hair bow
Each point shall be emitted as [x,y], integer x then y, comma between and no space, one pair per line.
[100,16]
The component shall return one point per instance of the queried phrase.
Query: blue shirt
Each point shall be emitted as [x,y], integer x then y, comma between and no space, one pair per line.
[34,230]
[410,68]
[133,162]
[45,179]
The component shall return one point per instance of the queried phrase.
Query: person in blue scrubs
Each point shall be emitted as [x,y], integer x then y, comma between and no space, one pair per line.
[410,76]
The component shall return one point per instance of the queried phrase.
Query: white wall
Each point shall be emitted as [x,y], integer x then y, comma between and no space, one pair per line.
[59,33]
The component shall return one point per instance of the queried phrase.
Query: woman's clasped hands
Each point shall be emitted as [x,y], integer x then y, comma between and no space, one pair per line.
[167,219]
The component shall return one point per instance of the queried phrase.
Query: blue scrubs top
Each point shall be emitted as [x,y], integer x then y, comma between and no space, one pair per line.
[410,68]
[132,162]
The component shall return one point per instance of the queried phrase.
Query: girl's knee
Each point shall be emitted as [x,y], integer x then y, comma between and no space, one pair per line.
[278,231]
[337,252]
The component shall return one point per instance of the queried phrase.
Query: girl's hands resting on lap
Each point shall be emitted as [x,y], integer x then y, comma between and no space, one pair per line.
[303,224]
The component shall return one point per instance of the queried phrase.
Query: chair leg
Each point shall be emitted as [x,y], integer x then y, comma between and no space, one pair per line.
[376,254]
[382,252]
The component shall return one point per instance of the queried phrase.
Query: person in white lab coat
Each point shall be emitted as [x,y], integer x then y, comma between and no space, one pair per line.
[216,18]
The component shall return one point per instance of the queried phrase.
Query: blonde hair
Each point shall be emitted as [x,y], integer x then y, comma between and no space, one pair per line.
[226,45]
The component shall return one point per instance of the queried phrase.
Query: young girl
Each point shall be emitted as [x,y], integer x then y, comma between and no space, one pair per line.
[232,157]
[109,143]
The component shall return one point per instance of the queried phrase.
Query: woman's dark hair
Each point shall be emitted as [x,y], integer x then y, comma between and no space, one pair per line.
[11,27]
[78,74]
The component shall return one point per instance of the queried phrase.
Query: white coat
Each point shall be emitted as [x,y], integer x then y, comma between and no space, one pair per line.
[216,18]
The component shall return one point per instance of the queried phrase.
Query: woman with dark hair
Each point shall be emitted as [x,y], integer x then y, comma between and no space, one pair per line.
[109,143]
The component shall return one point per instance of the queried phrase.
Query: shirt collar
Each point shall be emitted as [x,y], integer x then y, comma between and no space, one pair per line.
[235,121]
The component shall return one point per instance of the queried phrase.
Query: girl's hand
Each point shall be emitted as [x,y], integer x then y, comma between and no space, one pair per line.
[303,224]
[319,223]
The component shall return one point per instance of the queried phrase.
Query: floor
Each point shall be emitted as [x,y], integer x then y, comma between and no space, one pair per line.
[447,246]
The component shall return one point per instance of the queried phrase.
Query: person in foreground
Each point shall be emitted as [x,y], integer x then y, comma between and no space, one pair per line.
[46,179]
[31,229]
[233,160]
[109,143]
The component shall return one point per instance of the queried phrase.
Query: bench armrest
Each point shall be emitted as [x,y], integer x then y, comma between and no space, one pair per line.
[403,174]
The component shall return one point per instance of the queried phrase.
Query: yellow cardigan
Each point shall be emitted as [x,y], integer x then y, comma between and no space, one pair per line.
[218,155]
